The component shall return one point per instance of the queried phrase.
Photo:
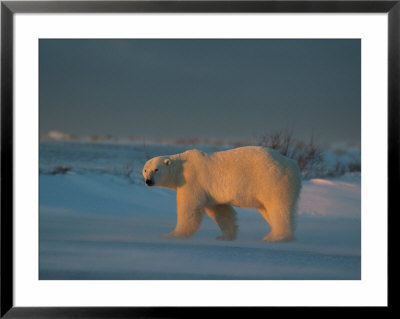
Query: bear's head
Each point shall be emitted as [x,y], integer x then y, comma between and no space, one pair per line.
[158,172]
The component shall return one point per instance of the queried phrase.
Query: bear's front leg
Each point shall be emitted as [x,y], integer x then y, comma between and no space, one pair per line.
[225,217]
[189,214]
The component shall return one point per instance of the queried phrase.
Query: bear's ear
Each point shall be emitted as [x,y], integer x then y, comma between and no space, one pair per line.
[167,161]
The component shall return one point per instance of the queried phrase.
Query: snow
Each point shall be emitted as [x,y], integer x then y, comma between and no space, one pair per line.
[58,136]
[335,197]
[99,221]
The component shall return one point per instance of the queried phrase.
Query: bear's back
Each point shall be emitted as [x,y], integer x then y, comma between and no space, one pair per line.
[247,155]
[247,160]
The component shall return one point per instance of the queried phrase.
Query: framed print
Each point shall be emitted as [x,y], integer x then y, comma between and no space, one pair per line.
[166,157]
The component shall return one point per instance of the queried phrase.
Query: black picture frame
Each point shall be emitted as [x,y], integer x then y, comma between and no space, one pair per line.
[9,8]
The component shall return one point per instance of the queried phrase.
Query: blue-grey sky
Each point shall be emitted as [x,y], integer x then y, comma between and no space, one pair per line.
[230,89]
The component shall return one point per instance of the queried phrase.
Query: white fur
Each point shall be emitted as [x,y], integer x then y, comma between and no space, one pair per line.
[249,176]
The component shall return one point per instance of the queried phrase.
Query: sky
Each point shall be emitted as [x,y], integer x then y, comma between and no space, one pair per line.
[207,88]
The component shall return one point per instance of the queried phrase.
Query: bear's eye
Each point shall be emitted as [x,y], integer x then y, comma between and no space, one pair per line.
[145,171]
[156,170]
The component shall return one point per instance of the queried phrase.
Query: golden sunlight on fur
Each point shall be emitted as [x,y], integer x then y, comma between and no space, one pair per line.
[251,176]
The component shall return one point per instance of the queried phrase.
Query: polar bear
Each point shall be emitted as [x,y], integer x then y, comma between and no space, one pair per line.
[250,176]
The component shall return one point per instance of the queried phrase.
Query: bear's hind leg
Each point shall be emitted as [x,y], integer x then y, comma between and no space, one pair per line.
[280,222]
[225,217]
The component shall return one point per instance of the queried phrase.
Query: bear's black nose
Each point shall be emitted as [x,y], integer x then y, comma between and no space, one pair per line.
[149,182]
